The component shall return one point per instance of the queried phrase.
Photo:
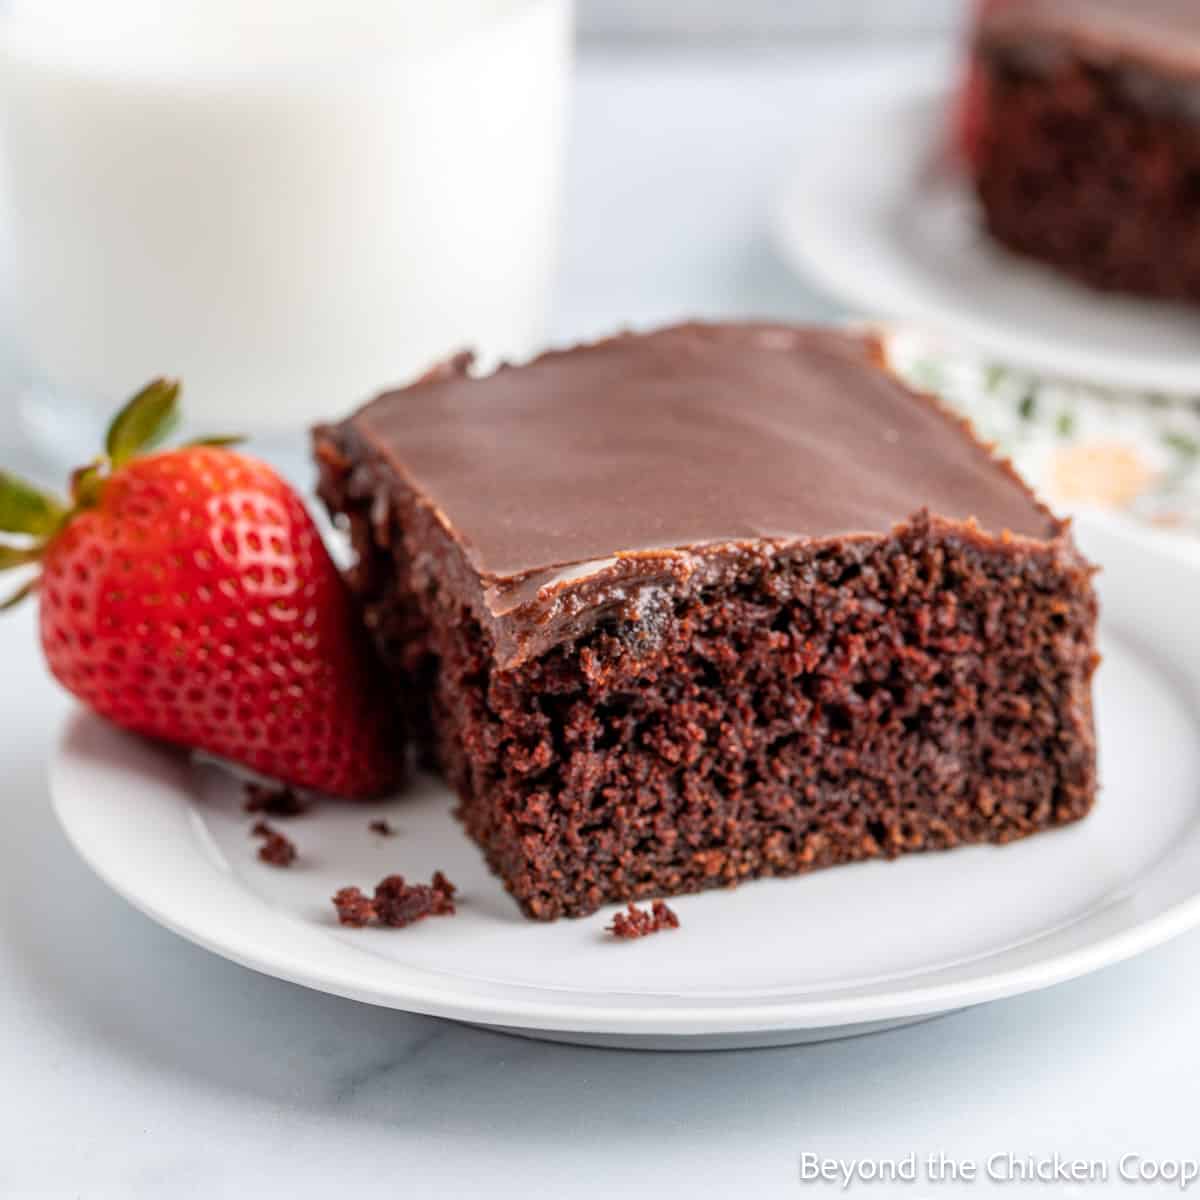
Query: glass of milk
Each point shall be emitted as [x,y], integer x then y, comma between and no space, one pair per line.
[289,204]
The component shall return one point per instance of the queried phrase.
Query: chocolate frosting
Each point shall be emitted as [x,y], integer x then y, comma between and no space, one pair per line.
[1161,33]
[567,483]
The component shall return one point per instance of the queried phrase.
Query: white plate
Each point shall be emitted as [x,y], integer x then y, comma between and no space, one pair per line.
[874,215]
[837,952]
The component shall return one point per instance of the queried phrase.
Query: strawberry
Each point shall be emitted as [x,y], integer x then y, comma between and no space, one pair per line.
[186,595]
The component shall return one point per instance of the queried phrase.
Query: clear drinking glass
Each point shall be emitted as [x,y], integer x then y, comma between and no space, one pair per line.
[289,204]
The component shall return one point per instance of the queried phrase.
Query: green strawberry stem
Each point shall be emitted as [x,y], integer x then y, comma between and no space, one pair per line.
[37,516]
[144,422]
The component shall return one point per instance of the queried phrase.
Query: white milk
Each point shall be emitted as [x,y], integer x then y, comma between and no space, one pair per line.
[287,203]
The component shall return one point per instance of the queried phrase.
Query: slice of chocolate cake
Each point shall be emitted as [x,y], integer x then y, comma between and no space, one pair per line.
[681,609]
[1082,132]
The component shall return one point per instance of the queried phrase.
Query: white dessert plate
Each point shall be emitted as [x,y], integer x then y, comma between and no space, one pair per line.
[874,214]
[838,952]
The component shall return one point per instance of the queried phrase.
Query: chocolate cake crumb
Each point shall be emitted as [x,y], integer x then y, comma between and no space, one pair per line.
[396,903]
[278,850]
[382,827]
[399,903]
[274,800]
[636,922]
[353,908]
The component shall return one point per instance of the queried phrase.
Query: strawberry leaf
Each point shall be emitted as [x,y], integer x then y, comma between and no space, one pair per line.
[144,421]
[12,601]
[18,556]
[219,441]
[86,484]
[26,509]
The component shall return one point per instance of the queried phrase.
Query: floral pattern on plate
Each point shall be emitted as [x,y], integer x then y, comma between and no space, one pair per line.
[1078,446]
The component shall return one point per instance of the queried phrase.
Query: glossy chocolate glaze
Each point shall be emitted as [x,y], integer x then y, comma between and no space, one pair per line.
[583,483]
[1164,34]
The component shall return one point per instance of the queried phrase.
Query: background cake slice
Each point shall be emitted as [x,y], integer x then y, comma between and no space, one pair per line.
[677,610]
[1082,133]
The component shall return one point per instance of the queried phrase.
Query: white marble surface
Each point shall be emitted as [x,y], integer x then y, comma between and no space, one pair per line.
[138,1067]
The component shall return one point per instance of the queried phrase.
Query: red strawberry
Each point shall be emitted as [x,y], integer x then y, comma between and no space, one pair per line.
[187,595]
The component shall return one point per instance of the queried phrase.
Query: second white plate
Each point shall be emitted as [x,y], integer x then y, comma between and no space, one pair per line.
[874,215]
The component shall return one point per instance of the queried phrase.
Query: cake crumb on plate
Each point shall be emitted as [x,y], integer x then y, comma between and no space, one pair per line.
[276,800]
[277,849]
[396,903]
[636,922]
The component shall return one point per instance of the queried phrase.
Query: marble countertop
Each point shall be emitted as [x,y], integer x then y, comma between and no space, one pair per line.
[139,1067]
